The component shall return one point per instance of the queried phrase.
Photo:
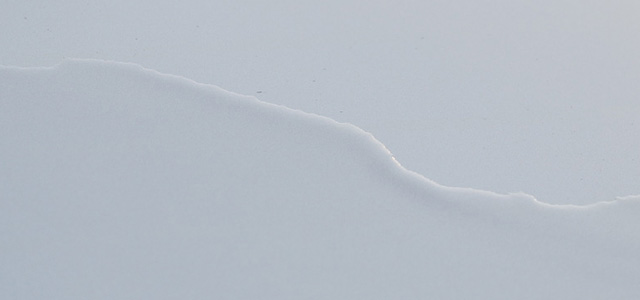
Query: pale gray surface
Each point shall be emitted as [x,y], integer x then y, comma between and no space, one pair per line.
[540,97]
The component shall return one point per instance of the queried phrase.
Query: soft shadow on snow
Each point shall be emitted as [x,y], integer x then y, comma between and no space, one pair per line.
[121,182]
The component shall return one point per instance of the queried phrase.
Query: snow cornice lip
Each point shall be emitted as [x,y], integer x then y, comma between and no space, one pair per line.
[383,155]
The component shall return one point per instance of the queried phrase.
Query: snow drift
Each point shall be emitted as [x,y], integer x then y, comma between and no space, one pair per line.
[117,182]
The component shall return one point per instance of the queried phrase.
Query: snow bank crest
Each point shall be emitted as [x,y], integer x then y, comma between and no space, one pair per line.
[379,157]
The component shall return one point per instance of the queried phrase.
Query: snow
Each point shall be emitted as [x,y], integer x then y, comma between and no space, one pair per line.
[119,182]
[499,95]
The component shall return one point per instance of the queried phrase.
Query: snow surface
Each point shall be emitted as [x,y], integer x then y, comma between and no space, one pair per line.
[118,182]
[533,96]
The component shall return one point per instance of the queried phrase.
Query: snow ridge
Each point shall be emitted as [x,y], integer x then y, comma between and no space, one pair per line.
[369,145]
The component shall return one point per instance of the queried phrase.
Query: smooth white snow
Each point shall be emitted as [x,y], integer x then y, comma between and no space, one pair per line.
[118,182]
[539,97]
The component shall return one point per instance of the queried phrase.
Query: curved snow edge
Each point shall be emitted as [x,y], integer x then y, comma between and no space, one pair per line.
[378,152]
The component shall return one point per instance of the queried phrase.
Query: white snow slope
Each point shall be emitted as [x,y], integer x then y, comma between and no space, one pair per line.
[118,182]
